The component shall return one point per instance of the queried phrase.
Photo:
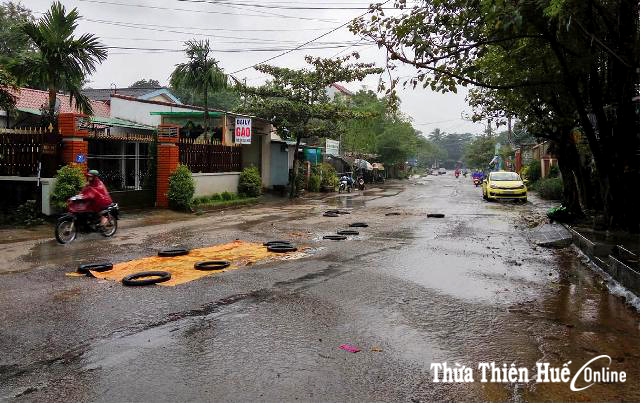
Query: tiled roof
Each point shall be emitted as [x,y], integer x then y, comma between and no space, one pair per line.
[103,94]
[31,99]
[341,89]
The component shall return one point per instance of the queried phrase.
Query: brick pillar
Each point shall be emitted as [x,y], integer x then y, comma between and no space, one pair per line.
[73,129]
[167,162]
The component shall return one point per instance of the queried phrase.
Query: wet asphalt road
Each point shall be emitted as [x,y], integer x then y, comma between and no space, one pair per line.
[467,288]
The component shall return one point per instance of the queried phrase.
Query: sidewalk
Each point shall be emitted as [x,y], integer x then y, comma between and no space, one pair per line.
[130,219]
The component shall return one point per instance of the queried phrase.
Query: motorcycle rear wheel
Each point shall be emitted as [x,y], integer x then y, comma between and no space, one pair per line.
[111,227]
[66,231]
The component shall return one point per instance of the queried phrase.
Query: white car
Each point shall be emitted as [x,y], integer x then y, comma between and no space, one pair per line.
[442,171]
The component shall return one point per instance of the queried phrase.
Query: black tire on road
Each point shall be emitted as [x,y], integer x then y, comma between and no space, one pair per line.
[157,277]
[277,243]
[359,225]
[66,231]
[281,248]
[212,265]
[435,215]
[173,252]
[394,213]
[331,215]
[99,267]
[335,237]
[348,232]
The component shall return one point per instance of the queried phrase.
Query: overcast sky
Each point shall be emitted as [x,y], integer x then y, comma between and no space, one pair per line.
[237,29]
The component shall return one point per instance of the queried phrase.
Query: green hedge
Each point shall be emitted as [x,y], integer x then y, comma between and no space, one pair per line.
[314,183]
[250,182]
[533,171]
[181,189]
[550,188]
[69,182]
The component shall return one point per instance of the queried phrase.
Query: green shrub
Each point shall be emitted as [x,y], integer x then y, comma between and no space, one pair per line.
[534,172]
[329,176]
[550,188]
[314,183]
[69,181]
[250,182]
[215,196]
[554,172]
[181,189]
[226,196]
[27,214]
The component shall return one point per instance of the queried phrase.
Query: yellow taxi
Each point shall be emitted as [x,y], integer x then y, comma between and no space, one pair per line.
[504,185]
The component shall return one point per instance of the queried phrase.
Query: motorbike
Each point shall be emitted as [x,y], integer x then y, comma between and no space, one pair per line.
[457,174]
[477,181]
[344,186]
[79,219]
[360,183]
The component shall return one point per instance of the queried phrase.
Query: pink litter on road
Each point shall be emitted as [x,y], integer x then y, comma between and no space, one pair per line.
[349,348]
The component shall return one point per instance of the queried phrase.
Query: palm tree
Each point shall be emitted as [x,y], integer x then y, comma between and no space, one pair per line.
[61,60]
[201,73]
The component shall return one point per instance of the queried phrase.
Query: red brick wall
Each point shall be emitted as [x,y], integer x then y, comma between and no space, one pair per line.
[168,160]
[72,148]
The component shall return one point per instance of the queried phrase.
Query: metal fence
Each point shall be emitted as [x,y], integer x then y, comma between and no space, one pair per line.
[209,156]
[21,151]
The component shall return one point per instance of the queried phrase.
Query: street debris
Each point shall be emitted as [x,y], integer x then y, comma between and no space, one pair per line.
[239,253]
[347,232]
[335,237]
[281,248]
[393,213]
[148,278]
[435,215]
[212,265]
[349,348]
[99,267]
[376,349]
[271,243]
[173,252]
[330,214]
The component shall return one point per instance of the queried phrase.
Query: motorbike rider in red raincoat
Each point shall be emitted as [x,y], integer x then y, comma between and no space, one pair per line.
[96,192]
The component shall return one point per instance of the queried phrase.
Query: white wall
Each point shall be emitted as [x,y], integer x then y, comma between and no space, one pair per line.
[210,183]
[140,112]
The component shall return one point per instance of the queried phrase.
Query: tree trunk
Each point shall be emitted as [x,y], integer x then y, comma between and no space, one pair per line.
[294,174]
[52,102]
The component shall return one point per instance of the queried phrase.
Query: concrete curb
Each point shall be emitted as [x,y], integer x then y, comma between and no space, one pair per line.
[602,255]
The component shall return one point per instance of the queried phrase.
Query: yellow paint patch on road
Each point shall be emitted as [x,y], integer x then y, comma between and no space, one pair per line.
[239,253]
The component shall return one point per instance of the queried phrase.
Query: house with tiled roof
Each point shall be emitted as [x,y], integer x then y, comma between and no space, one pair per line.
[162,94]
[336,89]
[122,141]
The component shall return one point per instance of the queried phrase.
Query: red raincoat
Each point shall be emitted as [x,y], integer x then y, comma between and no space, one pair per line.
[97,193]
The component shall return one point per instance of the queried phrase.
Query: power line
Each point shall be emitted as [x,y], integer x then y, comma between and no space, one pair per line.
[262,15]
[274,6]
[162,50]
[304,44]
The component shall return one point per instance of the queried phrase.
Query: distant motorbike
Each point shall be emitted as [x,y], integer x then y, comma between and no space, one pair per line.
[360,183]
[477,181]
[344,186]
[79,219]
[457,174]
